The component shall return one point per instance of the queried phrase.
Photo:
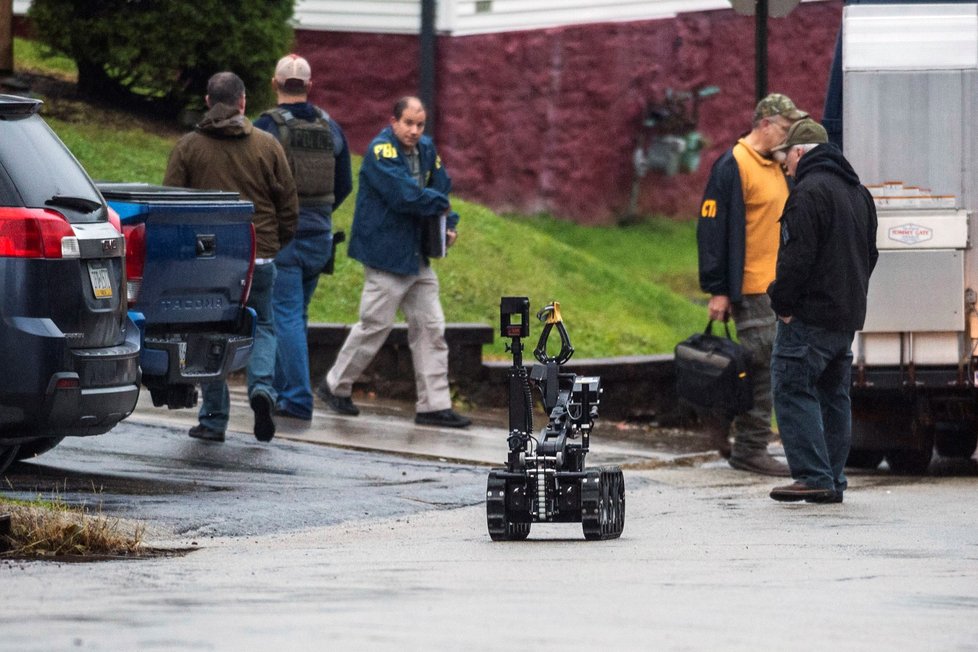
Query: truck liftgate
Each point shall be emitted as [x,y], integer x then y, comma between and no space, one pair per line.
[910,98]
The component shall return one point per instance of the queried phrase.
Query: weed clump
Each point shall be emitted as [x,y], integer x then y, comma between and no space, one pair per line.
[56,529]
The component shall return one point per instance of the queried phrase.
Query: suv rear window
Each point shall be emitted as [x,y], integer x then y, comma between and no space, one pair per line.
[36,168]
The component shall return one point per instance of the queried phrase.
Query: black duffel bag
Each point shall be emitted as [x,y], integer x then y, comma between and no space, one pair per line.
[712,372]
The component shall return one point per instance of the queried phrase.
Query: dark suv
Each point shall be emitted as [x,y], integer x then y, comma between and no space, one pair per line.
[69,354]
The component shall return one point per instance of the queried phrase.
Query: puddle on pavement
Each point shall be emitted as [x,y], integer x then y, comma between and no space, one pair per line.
[380,482]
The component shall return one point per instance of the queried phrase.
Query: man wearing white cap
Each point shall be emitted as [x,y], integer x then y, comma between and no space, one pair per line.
[320,162]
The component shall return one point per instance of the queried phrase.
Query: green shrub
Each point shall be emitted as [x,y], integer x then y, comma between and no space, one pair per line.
[161,52]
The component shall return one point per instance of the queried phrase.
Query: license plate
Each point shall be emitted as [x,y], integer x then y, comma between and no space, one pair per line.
[101,281]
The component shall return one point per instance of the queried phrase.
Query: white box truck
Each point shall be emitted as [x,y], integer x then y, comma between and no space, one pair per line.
[910,116]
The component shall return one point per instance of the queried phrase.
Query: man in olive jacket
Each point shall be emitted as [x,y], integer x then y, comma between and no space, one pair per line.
[225,152]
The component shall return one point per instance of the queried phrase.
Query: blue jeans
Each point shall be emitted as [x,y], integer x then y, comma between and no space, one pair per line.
[299,265]
[810,371]
[216,404]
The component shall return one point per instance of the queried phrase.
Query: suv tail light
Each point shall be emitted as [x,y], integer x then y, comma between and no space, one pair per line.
[246,291]
[135,259]
[36,233]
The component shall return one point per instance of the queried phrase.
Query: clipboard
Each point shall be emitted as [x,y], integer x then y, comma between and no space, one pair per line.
[433,239]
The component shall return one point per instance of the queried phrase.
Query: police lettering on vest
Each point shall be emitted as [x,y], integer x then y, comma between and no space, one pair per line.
[311,154]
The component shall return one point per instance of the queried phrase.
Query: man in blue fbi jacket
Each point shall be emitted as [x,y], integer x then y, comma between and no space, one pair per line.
[403,185]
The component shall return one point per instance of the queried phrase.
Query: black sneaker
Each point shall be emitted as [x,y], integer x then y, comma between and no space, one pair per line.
[338,404]
[445,418]
[263,406]
[206,434]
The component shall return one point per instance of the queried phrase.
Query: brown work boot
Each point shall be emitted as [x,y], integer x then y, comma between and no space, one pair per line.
[760,462]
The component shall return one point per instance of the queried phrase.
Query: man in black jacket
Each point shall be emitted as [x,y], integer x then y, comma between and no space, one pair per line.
[826,256]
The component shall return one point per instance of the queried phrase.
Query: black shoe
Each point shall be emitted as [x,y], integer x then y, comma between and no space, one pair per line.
[800,491]
[206,434]
[836,497]
[282,412]
[760,463]
[338,404]
[445,418]
[263,406]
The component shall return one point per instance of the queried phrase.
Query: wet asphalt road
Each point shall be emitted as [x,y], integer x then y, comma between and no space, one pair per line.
[304,547]
[190,490]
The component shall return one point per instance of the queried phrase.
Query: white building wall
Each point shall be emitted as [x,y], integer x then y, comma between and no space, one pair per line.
[462,17]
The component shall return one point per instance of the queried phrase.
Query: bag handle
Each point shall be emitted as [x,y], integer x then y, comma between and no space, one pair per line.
[709,328]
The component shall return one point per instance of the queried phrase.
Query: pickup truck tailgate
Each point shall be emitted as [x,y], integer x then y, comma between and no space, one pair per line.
[199,248]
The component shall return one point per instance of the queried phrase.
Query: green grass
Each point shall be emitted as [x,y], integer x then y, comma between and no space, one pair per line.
[116,154]
[613,301]
[32,56]
[623,290]
[663,253]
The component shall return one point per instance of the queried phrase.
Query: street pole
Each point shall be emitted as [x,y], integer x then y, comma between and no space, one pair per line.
[760,49]
[6,37]
[427,63]
[761,10]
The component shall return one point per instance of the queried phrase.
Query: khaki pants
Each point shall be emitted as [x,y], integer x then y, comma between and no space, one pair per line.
[417,297]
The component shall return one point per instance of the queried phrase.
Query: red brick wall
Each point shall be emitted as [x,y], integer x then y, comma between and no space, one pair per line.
[546,120]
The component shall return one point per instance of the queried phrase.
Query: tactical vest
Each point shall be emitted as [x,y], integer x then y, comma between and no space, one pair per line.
[311,153]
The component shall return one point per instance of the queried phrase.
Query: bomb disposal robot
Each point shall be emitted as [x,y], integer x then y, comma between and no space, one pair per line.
[545,480]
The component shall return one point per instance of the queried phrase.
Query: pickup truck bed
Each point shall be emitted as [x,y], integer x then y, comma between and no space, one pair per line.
[189,259]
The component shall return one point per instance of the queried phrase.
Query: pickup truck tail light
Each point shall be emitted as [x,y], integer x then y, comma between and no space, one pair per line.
[114,219]
[246,289]
[135,259]
[36,233]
